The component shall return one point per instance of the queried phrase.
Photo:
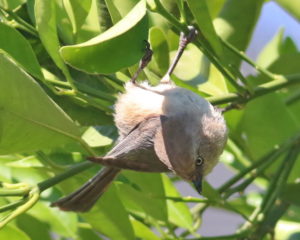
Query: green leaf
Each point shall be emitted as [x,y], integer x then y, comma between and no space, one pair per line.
[77,11]
[33,227]
[142,231]
[279,66]
[11,41]
[178,212]
[258,135]
[87,234]
[271,51]
[62,223]
[119,8]
[291,193]
[145,188]
[119,47]
[93,24]
[95,138]
[63,23]
[11,4]
[109,217]
[196,70]
[45,17]
[288,46]
[216,84]
[85,115]
[235,26]
[11,232]
[192,66]
[113,11]
[26,162]
[29,119]
[287,230]
[291,6]
[214,7]
[201,14]
[160,49]
[209,192]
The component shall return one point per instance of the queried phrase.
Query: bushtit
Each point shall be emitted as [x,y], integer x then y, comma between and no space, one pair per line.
[162,128]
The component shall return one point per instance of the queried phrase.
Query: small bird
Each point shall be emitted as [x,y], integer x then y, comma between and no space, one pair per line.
[161,128]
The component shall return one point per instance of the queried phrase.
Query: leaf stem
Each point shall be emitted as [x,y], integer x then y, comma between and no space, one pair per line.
[96,102]
[260,214]
[180,5]
[159,8]
[279,179]
[80,167]
[260,90]
[201,43]
[34,196]
[14,192]
[223,237]
[243,56]
[20,22]
[263,162]
[12,205]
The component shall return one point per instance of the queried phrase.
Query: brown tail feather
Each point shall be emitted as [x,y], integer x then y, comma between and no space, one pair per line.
[85,197]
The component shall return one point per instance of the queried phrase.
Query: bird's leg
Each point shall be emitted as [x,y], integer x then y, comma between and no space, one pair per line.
[144,62]
[184,40]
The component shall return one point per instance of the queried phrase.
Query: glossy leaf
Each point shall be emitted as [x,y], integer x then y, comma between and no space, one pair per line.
[271,51]
[77,10]
[279,66]
[110,220]
[85,115]
[120,46]
[145,188]
[291,193]
[201,14]
[291,6]
[63,23]
[45,17]
[214,7]
[95,139]
[160,49]
[216,84]
[33,227]
[11,232]
[11,41]
[142,231]
[235,26]
[119,8]
[113,11]
[93,23]
[196,70]
[87,234]
[29,120]
[209,192]
[26,162]
[178,212]
[259,136]
[192,67]
[289,230]
[63,223]
[11,4]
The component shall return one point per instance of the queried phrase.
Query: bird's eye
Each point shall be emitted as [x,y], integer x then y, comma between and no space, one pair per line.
[199,161]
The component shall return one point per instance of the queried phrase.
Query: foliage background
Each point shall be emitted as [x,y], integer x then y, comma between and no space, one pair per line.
[57,92]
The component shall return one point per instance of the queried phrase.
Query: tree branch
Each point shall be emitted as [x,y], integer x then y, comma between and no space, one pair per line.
[260,90]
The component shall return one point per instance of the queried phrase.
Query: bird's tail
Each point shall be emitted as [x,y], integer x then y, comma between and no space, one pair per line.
[85,197]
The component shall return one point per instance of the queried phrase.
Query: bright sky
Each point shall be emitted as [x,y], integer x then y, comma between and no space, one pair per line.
[271,20]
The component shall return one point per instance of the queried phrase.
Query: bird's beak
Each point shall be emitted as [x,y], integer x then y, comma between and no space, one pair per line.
[198,183]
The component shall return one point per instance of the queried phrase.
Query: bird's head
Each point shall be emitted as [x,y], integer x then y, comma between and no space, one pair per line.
[192,136]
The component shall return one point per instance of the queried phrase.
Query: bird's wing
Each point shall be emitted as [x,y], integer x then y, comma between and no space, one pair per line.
[172,144]
[136,150]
